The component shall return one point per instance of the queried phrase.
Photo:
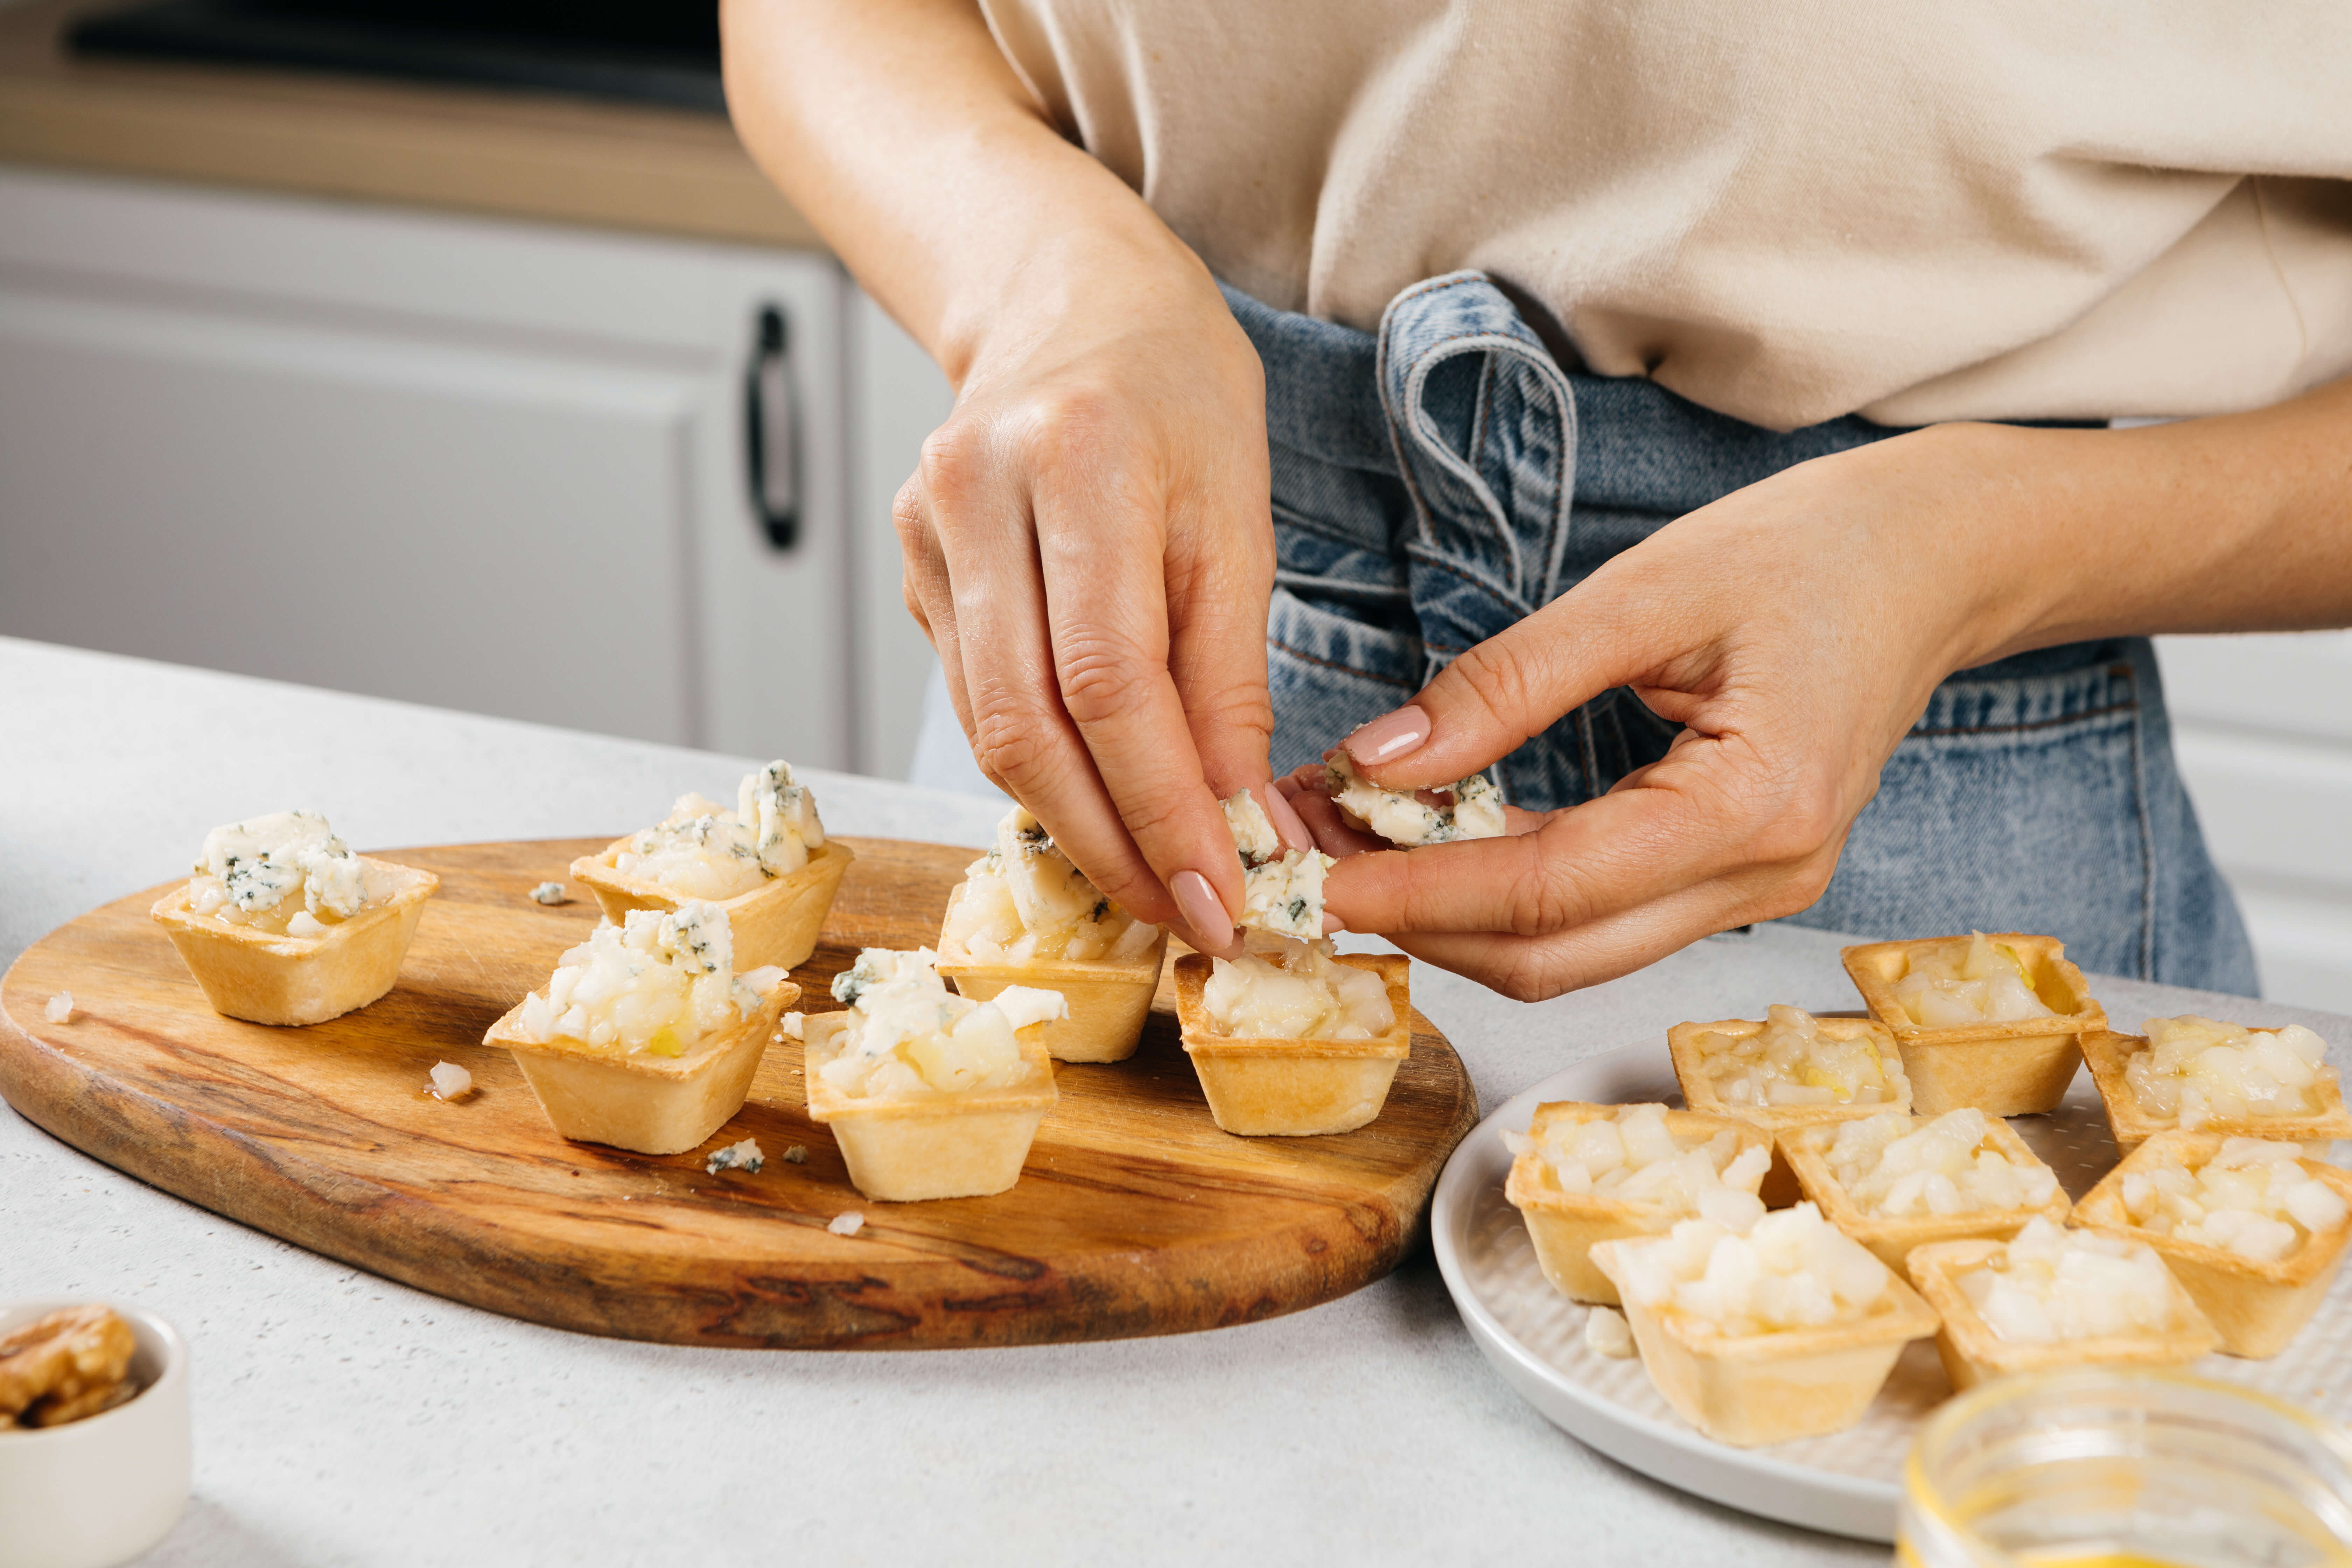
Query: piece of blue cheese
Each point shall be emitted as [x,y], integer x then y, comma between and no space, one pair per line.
[1402,817]
[1281,893]
[745,1157]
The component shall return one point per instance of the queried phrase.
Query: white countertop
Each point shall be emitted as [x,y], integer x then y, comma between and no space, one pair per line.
[340,1418]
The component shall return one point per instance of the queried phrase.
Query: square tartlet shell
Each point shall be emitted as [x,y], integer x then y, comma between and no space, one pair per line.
[2256,1308]
[1565,1225]
[775,923]
[1699,1093]
[1972,1352]
[2019,1068]
[1770,1388]
[2107,1053]
[274,979]
[1295,1088]
[965,1145]
[644,1103]
[1108,1002]
[1893,1239]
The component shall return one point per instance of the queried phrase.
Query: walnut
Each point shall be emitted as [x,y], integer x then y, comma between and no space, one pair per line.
[72,1363]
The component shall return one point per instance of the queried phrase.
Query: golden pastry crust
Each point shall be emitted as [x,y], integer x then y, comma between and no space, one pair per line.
[2107,1053]
[1779,1188]
[1755,1389]
[2017,1068]
[266,978]
[1295,1088]
[1108,1002]
[1892,1239]
[1972,1352]
[2256,1308]
[1565,1225]
[775,923]
[915,1148]
[636,1100]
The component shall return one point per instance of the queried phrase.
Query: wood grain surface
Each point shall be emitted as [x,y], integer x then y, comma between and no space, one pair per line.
[1134,1215]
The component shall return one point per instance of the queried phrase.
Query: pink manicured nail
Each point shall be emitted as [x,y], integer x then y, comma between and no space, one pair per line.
[1388,737]
[1332,924]
[1202,912]
[1287,824]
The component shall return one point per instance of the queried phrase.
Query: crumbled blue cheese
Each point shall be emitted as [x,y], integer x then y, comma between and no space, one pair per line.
[450,1081]
[909,1034]
[1281,893]
[1024,899]
[744,1157]
[704,850]
[796,1155]
[60,1009]
[549,893]
[849,1224]
[249,872]
[658,983]
[1467,808]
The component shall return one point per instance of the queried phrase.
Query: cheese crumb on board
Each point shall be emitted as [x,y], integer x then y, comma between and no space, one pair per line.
[744,1156]
[450,1081]
[549,893]
[1024,899]
[60,1009]
[1281,893]
[796,1155]
[849,1224]
[1606,1332]
[1467,808]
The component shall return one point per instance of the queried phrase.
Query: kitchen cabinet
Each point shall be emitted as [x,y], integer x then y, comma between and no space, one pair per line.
[465,461]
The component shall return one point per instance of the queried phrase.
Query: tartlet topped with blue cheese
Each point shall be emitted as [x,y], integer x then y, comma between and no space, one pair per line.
[928,1093]
[281,923]
[766,860]
[646,1036]
[1467,808]
[1282,892]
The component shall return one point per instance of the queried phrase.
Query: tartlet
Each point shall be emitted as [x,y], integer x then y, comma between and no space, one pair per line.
[2255,1307]
[1891,1238]
[636,1100]
[1271,1087]
[1564,1227]
[914,1148]
[776,923]
[2019,1067]
[267,977]
[1753,1389]
[1972,1352]
[1699,1092]
[2108,1053]
[1109,1002]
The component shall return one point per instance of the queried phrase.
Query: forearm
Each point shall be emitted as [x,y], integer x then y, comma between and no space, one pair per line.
[898,128]
[2236,523]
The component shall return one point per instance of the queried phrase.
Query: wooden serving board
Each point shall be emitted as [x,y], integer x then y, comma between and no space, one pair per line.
[1134,1215]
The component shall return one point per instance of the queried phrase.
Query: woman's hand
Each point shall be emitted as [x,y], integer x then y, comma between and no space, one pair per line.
[1795,630]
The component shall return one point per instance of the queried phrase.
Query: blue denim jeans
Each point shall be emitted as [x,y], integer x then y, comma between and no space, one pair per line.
[1437,481]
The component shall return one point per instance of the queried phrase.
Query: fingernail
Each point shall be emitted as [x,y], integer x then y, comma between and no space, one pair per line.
[1332,924]
[1388,737]
[1289,825]
[1202,912]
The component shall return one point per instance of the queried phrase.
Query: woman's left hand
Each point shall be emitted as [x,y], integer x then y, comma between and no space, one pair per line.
[1795,628]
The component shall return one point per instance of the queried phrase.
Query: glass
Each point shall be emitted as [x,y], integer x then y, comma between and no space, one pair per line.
[2107,1469]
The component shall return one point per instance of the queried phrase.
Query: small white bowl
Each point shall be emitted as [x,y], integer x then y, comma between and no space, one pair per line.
[97,1492]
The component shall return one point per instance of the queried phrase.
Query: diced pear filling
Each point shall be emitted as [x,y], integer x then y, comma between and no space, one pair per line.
[1789,1269]
[1467,808]
[2253,1198]
[2050,1285]
[1632,1157]
[1024,899]
[1898,1166]
[2199,1068]
[1792,1062]
[1298,992]
[658,983]
[1281,893]
[909,1035]
[703,850]
[286,874]
[1984,982]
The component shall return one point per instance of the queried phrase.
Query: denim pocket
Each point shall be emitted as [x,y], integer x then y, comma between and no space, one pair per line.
[1328,673]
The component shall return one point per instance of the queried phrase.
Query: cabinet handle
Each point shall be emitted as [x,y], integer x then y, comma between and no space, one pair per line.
[772,434]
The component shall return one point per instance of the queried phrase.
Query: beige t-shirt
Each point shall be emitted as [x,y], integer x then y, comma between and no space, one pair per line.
[1785,212]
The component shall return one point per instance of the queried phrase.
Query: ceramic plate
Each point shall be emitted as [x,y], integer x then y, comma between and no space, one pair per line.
[1847,1483]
